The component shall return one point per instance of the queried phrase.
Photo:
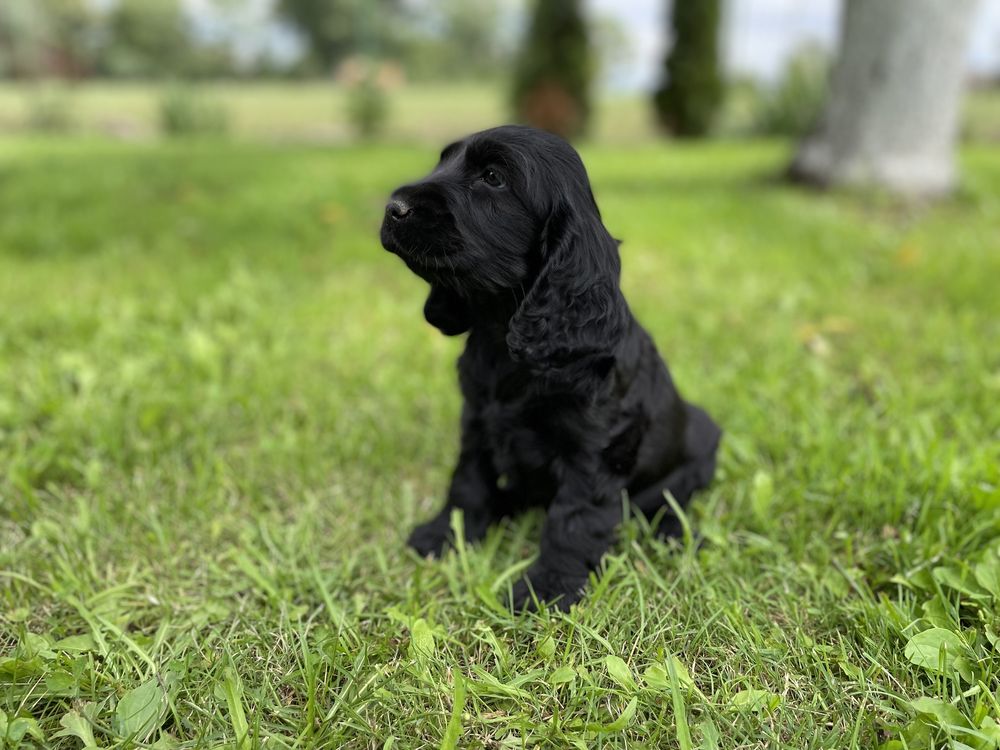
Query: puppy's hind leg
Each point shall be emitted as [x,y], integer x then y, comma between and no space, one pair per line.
[701,443]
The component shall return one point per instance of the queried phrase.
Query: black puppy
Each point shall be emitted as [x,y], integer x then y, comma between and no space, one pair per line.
[567,401]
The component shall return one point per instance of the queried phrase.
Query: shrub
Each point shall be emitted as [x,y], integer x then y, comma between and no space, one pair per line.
[367,105]
[554,71]
[691,92]
[793,105]
[49,109]
[185,112]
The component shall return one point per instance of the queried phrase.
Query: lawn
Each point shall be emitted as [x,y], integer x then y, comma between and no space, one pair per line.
[311,111]
[221,411]
[316,111]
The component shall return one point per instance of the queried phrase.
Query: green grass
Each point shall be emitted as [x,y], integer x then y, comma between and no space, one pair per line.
[982,115]
[221,411]
[310,112]
[316,112]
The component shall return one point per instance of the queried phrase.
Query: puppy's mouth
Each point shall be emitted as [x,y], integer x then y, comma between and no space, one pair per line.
[419,247]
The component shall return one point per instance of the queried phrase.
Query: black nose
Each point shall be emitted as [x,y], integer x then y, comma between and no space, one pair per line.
[398,209]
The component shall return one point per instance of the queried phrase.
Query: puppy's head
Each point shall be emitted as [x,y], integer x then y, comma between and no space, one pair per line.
[475,223]
[508,214]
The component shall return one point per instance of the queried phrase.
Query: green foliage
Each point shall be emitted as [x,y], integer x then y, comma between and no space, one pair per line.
[140,711]
[146,39]
[49,108]
[74,27]
[221,410]
[689,96]
[23,34]
[454,39]
[185,111]
[367,107]
[470,38]
[336,29]
[793,105]
[126,39]
[153,38]
[954,635]
[553,77]
[47,38]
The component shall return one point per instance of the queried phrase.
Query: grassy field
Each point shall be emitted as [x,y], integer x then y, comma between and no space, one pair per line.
[221,411]
[306,112]
[421,113]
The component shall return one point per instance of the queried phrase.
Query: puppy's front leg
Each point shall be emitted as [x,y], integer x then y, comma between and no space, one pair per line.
[579,528]
[473,490]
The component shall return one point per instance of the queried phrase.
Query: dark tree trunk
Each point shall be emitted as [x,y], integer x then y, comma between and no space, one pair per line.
[691,90]
[552,80]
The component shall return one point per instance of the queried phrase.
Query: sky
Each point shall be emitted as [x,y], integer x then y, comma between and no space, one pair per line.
[758,35]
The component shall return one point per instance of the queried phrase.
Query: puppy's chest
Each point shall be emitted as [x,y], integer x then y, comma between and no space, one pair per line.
[514,421]
[512,430]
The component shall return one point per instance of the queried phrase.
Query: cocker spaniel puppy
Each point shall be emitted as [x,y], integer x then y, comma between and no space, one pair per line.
[567,401]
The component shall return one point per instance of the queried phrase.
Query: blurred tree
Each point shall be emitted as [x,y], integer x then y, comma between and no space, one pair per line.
[73,25]
[455,39]
[691,91]
[146,39]
[331,28]
[207,60]
[24,33]
[553,76]
[470,35]
[891,117]
[47,37]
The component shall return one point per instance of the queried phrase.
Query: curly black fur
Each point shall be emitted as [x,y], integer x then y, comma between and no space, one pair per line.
[567,401]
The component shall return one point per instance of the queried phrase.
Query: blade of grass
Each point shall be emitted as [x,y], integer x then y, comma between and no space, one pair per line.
[454,729]
[680,712]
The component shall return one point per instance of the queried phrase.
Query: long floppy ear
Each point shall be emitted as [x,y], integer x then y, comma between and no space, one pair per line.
[446,311]
[574,315]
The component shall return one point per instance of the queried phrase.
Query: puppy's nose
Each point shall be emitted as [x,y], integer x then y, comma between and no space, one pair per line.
[398,209]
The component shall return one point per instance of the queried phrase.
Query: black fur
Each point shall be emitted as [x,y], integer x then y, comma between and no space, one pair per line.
[567,402]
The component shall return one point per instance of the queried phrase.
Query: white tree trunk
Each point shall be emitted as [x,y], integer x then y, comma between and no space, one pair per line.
[891,117]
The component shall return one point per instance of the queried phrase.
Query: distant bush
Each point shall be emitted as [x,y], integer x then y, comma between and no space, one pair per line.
[49,109]
[792,106]
[185,112]
[367,108]
[367,84]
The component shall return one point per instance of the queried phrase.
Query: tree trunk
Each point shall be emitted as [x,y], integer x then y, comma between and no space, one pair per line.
[891,117]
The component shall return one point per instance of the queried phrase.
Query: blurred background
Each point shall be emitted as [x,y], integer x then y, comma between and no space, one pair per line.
[427,70]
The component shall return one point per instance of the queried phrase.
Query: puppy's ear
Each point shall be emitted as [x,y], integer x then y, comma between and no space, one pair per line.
[574,315]
[446,311]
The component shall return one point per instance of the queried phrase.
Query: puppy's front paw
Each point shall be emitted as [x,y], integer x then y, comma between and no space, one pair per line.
[558,591]
[431,538]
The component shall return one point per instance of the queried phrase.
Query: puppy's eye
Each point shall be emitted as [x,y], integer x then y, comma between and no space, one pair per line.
[492,178]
